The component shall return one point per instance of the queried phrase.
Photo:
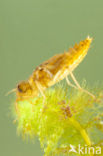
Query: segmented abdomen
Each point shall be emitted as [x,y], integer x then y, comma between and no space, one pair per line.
[58,67]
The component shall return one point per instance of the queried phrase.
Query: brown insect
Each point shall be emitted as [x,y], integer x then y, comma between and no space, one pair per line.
[54,70]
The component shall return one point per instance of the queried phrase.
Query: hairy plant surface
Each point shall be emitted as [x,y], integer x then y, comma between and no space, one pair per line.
[66,117]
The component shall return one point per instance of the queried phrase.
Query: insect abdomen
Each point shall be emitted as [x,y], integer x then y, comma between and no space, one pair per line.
[78,52]
[59,66]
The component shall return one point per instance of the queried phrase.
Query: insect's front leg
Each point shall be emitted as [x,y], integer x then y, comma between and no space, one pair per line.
[17,112]
[40,89]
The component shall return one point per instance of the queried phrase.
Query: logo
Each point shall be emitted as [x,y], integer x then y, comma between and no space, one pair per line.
[85,149]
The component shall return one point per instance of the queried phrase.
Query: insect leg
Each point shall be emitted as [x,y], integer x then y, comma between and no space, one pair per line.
[40,89]
[57,75]
[17,111]
[75,81]
[70,84]
[79,87]
[47,71]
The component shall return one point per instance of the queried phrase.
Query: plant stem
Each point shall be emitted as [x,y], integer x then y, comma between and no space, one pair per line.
[82,131]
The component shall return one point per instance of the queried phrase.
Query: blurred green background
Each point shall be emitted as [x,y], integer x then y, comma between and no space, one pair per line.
[31,31]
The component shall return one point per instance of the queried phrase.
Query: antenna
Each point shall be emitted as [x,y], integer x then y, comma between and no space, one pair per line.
[11,91]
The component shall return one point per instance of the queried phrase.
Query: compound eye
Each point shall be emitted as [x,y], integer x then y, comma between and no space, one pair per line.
[23,87]
[20,89]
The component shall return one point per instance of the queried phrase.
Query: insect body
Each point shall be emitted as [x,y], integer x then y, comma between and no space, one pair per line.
[53,70]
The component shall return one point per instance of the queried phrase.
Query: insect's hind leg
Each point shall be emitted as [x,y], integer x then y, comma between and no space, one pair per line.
[70,84]
[78,86]
[75,81]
